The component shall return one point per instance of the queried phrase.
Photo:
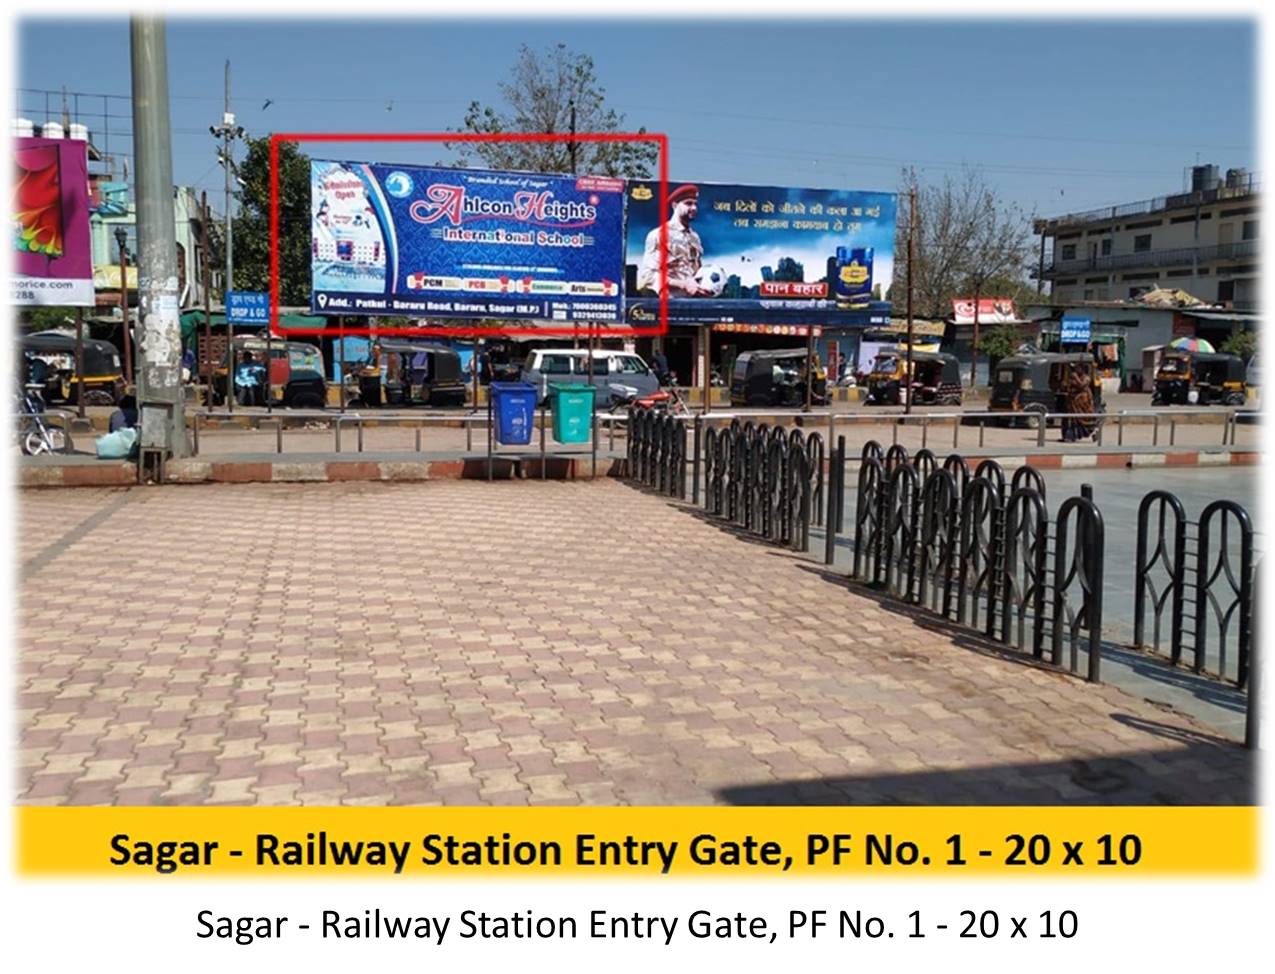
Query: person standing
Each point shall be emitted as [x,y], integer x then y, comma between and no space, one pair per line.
[685,250]
[659,362]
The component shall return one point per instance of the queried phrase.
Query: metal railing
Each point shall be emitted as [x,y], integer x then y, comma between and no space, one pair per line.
[301,421]
[1240,250]
[980,551]
[1247,186]
[974,424]
[1196,582]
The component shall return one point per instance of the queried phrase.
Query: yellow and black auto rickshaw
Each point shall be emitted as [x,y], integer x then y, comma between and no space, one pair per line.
[936,378]
[295,372]
[103,370]
[1038,383]
[1199,378]
[776,377]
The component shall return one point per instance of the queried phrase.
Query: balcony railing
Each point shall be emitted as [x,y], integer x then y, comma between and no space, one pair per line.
[1243,250]
[1248,186]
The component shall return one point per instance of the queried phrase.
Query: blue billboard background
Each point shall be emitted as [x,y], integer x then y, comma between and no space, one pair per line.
[463,243]
[769,255]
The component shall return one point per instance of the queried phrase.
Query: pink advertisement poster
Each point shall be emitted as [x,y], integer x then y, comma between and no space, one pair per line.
[53,256]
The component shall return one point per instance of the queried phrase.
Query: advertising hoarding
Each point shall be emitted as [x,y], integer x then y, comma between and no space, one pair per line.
[760,254]
[49,212]
[464,243]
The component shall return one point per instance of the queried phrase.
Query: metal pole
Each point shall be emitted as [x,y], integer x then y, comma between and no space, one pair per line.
[158,308]
[907,405]
[341,339]
[79,362]
[205,223]
[978,293]
[707,333]
[810,367]
[128,341]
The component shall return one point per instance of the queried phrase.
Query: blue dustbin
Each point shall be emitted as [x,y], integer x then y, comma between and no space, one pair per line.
[514,405]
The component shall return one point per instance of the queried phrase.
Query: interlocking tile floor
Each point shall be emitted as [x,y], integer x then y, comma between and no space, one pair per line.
[461,642]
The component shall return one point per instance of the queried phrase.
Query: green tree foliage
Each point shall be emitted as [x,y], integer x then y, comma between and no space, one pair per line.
[968,240]
[542,90]
[252,226]
[45,317]
[1241,343]
[999,341]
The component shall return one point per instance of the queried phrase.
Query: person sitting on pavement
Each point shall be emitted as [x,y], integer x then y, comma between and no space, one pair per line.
[125,415]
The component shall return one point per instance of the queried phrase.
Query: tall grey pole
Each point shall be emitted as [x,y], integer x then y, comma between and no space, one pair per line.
[227,126]
[159,316]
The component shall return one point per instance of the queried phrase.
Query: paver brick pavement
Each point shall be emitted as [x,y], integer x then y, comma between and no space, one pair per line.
[462,642]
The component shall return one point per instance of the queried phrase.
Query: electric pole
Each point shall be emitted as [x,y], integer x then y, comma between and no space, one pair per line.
[159,389]
[907,406]
[228,131]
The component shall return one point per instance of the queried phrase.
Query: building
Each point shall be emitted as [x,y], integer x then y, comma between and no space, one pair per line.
[113,210]
[1203,241]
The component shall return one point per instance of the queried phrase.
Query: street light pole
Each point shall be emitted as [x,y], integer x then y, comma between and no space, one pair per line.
[907,405]
[228,131]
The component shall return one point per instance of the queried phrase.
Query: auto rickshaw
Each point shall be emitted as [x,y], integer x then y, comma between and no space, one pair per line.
[1037,384]
[103,370]
[776,377]
[1199,378]
[295,370]
[421,372]
[936,378]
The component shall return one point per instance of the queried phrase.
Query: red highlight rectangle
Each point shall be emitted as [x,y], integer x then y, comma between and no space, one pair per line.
[603,330]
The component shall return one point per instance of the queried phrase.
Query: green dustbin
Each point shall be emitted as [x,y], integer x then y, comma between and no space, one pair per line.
[572,412]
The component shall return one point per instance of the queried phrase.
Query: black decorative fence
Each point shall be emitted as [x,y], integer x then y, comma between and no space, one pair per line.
[1195,588]
[980,550]
[768,480]
[657,451]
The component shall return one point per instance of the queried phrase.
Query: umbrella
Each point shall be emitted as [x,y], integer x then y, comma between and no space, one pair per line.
[1191,345]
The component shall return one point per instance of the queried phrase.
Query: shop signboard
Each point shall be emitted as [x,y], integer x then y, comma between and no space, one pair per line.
[1075,330]
[49,211]
[247,307]
[759,254]
[465,243]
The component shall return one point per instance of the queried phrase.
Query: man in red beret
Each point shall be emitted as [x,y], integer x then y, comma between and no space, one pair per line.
[685,252]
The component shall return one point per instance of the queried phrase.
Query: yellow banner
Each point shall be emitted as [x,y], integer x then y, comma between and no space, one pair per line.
[886,842]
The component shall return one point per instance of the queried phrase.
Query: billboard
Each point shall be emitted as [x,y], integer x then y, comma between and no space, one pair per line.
[49,212]
[760,254]
[465,243]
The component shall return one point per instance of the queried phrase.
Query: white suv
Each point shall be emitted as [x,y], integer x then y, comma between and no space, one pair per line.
[615,374]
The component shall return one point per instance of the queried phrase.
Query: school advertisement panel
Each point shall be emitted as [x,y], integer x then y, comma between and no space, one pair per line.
[463,243]
[760,254]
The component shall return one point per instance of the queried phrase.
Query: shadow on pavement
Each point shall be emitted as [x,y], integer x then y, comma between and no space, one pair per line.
[1200,774]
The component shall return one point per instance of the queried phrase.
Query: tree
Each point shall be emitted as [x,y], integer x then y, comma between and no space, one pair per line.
[543,91]
[999,341]
[967,240]
[252,226]
[47,317]
[1241,343]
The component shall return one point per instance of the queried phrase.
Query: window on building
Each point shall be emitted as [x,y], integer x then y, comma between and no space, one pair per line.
[1106,247]
[1069,252]
[1225,291]
[1250,230]
[1141,243]
[1088,294]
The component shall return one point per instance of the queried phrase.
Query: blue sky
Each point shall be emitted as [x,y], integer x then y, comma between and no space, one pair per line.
[1059,115]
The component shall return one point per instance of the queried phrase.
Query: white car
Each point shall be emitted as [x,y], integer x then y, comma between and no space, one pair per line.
[616,374]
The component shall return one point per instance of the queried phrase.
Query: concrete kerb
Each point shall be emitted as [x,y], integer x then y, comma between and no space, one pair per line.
[87,471]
